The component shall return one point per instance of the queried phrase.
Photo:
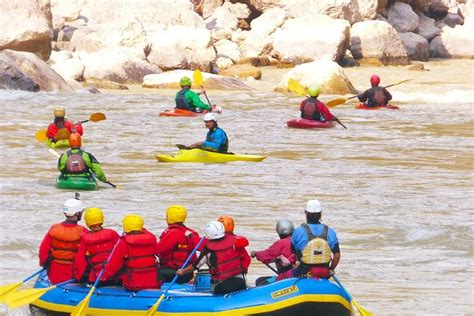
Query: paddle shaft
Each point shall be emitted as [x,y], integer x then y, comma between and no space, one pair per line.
[33,275]
[337,120]
[271,268]
[154,308]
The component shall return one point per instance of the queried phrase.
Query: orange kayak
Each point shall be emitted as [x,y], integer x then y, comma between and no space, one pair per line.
[362,106]
[179,112]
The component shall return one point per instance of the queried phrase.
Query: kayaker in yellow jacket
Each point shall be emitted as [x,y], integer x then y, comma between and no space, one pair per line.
[78,163]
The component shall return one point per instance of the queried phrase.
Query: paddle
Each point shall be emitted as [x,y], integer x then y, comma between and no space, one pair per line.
[180,146]
[6,289]
[198,79]
[55,153]
[19,298]
[95,117]
[154,308]
[361,310]
[81,308]
[271,268]
[338,101]
[295,87]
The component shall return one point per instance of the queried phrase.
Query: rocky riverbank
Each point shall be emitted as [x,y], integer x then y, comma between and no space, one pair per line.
[54,45]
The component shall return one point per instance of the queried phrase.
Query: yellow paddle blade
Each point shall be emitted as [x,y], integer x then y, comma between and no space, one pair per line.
[41,135]
[153,309]
[20,298]
[295,87]
[335,102]
[362,311]
[96,117]
[197,77]
[5,289]
[81,308]
[63,133]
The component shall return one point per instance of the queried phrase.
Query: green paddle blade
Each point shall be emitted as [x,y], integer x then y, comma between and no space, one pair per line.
[6,289]
[96,117]
[197,77]
[335,102]
[295,87]
[41,136]
[81,308]
[20,298]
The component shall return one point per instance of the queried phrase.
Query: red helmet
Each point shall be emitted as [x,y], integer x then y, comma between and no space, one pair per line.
[374,80]
[75,140]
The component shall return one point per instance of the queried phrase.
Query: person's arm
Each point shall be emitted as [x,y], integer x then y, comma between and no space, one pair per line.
[335,261]
[116,261]
[62,163]
[52,130]
[363,96]
[323,109]
[196,263]
[167,243]
[45,250]
[388,96]
[193,98]
[74,128]
[270,254]
[93,164]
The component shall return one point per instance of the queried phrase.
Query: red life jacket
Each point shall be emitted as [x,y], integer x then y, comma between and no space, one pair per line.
[181,251]
[228,261]
[65,241]
[310,110]
[75,163]
[99,246]
[141,264]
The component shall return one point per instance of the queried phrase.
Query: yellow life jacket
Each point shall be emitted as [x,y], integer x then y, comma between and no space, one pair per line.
[317,250]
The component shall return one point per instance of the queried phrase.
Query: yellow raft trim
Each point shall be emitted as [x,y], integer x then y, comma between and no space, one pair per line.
[321,298]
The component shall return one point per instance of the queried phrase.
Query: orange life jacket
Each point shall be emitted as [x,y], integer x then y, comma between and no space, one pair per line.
[228,261]
[65,241]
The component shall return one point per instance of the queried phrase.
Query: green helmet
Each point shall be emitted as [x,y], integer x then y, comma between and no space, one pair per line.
[185,81]
[313,90]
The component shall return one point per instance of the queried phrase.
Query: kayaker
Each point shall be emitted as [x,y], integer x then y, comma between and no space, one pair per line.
[176,243]
[186,99]
[134,258]
[313,109]
[316,246]
[376,95]
[223,258]
[63,126]
[95,248]
[216,139]
[59,247]
[78,163]
[279,252]
[228,223]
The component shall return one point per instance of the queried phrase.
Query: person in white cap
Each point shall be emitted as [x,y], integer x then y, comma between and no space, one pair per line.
[216,139]
[60,244]
[316,246]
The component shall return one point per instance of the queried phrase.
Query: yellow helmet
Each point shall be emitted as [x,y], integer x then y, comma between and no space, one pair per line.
[176,214]
[132,222]
[93,216]
[59,112]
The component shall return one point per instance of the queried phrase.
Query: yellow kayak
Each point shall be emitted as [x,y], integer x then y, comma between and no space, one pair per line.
[62,143]
[199,155]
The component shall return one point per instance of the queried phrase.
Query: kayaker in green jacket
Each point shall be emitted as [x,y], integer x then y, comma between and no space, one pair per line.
[189,100]
[78,163]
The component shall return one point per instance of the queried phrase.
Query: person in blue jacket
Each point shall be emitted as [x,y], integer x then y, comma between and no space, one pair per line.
[216,139]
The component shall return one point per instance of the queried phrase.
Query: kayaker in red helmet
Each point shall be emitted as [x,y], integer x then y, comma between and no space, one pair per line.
[375,96]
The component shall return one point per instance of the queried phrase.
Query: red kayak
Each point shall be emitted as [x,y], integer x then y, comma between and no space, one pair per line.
[362,106]
[304,123]
[179,112]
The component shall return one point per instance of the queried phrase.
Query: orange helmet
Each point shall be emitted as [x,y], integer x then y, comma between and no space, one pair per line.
[75,140]
[228,223]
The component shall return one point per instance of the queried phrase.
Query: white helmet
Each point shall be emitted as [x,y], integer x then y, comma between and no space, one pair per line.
[313,206]
[214,230]
[211,116]
[73,206]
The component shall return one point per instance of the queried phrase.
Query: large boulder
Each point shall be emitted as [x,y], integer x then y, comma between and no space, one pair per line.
[325,73]
[37,70]
[223,21]
[26,26]
[12,78]
[67,65]
[402,17]
[170,80]
[116,64]
[227,53]
[455,42]
[427,27]
[173,48]
[377,41]
[242,71]
[311,37]
[417,46]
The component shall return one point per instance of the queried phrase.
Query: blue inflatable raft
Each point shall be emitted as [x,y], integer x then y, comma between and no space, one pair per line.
[302,297]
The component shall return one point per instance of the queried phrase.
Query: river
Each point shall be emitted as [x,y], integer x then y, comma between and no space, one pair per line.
[397,186]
